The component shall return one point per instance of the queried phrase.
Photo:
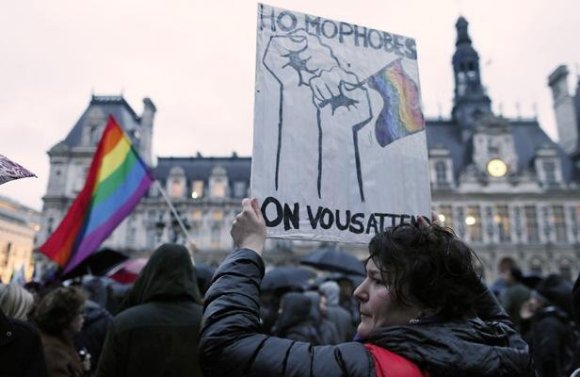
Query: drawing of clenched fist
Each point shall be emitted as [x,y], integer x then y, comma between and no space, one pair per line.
[343,106]
[297,56]
[293,60]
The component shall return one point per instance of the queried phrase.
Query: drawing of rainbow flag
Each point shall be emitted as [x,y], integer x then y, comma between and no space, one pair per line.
[116,181]
[401,114]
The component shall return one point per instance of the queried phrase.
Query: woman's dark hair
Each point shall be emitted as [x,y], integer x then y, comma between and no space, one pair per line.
[56,310]
[429,266]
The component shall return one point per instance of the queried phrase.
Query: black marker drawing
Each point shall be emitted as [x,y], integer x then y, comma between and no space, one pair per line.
[339,97]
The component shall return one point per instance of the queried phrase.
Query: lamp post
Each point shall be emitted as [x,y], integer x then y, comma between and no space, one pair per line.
[174,229]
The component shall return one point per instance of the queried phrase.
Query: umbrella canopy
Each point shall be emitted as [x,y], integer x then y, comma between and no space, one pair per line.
[10,170]
[97,264]
[287,277]
[334,260]
[128,271]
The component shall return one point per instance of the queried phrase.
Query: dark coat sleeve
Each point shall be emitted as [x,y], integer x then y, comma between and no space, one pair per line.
[231,342]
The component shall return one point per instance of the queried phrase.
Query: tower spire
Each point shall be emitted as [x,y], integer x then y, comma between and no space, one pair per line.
[470,100]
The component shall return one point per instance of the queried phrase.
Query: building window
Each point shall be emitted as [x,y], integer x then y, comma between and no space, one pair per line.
[559,224]
[49,225]
[574,216]
[216,231]
[217,216]
[531,216]
[218,189]
[240,189]
[81,179]
[550,173]
[441,173]
[502,219]
[536,267]
[94,135]
[566,270]
[218,183]
[196,220]
[197,189]
[473,222]
[446,215]
[176,188]
[176,182]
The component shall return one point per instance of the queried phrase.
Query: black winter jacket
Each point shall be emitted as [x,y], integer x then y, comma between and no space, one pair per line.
[295,322]
[231,343]
[158,334]
[21,351]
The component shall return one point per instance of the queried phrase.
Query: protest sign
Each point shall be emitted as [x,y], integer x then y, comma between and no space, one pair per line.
[339,137]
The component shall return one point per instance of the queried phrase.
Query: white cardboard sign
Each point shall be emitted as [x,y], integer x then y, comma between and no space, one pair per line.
[339,136]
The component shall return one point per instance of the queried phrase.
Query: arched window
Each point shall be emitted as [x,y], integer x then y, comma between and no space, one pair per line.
[176,182]
[218,183]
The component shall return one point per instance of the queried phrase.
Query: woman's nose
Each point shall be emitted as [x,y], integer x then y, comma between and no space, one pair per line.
[360,292]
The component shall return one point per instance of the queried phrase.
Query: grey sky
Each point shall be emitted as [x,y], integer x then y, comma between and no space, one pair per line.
[195,60]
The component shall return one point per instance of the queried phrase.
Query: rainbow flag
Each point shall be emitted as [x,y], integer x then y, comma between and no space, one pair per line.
[116,181]
[401,114]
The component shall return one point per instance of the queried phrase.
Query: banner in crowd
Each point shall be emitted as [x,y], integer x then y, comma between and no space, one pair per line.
[339,137]
[116,181]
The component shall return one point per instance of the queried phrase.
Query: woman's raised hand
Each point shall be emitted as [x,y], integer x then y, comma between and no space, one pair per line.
[249,228]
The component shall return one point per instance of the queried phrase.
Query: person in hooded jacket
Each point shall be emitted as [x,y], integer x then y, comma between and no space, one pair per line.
[294,321]
[424,312]
[158,332]
[327,331]
[336,313]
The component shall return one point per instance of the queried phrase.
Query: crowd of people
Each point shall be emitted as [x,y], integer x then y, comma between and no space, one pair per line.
[421,310]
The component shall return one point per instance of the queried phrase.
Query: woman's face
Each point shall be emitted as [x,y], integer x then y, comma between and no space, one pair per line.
[378,304]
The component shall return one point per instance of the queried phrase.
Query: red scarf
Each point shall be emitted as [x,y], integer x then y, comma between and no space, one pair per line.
[389,364]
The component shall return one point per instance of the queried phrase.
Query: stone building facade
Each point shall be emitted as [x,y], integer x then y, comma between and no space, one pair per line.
[18,227]
[501,183]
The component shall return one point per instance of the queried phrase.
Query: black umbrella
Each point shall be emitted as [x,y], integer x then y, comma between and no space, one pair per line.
[97,263]
[287,277]
[334,260]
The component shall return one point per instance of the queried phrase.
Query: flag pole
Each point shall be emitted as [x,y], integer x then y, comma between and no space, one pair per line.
[176,215]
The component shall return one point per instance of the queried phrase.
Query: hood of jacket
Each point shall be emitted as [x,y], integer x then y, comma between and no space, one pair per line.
[295,310]
[168,275]
[466,348]
[332,292]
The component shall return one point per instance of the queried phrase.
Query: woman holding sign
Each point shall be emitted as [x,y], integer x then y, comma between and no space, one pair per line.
[424,312]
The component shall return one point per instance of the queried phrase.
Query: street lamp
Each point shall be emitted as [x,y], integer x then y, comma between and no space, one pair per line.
[173,227]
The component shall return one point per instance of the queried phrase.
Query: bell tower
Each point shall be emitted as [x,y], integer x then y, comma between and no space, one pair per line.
[470,100]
